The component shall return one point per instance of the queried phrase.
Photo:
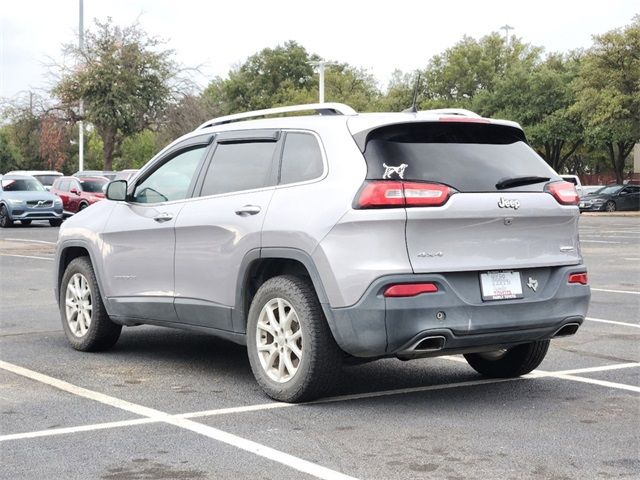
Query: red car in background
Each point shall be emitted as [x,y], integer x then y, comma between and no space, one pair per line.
[78,193]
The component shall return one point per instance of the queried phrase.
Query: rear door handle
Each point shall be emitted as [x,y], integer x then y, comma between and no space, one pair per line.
[248,210]
[163,217]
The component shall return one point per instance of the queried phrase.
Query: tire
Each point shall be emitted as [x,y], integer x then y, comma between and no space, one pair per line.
[82,206]
[55,222]
[610,206]
[25,222]
[317,368]
[513,362]
[5,219]
[101,333]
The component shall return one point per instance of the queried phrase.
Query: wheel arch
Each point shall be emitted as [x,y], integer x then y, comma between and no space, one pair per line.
[260,265]
[65,254]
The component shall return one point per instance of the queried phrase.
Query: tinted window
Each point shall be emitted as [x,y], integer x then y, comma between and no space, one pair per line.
[240,166]
[46,180]
[93,186]
[301,158]
[470,157]
[22,185]
[170,181]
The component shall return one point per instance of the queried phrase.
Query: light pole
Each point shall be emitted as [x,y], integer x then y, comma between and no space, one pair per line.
[321,64]
[506,28]
[81,109]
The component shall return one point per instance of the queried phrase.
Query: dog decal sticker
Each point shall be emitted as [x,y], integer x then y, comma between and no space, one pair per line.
[399,170]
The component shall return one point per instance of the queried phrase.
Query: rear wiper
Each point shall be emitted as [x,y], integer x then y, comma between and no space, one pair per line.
[519,181]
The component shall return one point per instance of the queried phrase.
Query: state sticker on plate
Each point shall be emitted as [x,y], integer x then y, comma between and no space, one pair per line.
[500,285]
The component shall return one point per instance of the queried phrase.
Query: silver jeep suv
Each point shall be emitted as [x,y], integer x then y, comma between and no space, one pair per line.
[319,239]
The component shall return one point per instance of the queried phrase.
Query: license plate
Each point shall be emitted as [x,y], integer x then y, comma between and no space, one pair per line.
[500,285]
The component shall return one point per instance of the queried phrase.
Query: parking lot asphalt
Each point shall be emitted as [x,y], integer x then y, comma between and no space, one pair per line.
[166,404]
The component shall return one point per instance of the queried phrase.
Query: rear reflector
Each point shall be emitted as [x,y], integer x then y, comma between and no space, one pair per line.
[410,289]
[385,194]
[580,278]
[564,192]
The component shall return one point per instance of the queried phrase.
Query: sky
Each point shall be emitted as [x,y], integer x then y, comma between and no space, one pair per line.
[380,36]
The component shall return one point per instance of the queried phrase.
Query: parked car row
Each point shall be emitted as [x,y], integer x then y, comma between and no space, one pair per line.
[611,198]
[28,195]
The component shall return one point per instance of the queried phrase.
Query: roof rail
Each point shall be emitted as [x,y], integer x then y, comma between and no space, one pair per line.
[319,108]
[453,111]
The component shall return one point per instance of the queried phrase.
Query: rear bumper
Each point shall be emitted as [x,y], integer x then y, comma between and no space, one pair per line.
[377,326]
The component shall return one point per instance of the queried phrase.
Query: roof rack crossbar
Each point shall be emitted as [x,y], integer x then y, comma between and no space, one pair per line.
[453,111]
[319,108]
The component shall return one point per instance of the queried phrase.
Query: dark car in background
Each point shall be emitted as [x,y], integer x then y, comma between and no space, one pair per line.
[108,174]
[77,193]
[24,199]
[612,198]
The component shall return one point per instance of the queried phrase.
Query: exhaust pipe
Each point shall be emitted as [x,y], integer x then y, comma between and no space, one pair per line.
[566,330]
[428,344]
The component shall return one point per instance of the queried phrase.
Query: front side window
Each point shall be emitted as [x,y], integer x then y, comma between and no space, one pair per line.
[171,181]
[240,166]
[301,158]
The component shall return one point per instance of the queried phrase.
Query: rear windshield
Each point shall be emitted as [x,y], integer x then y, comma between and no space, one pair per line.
[470,157]
[46,180]
[93,186]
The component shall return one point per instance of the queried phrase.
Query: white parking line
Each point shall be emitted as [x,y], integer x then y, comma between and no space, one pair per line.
[25,240]
[613,322]
[291,461]
[631,292]
[25,256]
[563,374]
[593,381]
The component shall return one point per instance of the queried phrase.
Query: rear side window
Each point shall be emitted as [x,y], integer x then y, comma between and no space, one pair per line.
[470,157]
[240,166]
[301,158]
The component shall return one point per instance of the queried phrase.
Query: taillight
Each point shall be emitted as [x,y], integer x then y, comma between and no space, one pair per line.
[385,194]
[410,289]
[580,278]
[564,192]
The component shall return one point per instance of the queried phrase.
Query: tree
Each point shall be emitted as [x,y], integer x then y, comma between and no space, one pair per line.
[608,93]
[539,96]
[8,154]
[284,75]
[124,79]
[471,66]
[54,142]
[265,80]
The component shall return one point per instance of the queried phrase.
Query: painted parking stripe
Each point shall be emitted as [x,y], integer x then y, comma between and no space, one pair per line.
[604,368]
[269,453]
[609,290]
[277,405]
[82,428]
[25,240]
[613,322]
[593,381]
[25,256]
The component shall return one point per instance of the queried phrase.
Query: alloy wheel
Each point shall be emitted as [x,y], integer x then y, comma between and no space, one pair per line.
[279,340]
[78,306]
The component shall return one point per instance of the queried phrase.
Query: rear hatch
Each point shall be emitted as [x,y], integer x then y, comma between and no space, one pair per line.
[477,197]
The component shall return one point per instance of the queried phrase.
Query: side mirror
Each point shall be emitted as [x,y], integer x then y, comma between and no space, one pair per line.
[623,192]
[117,190]
[75,191]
